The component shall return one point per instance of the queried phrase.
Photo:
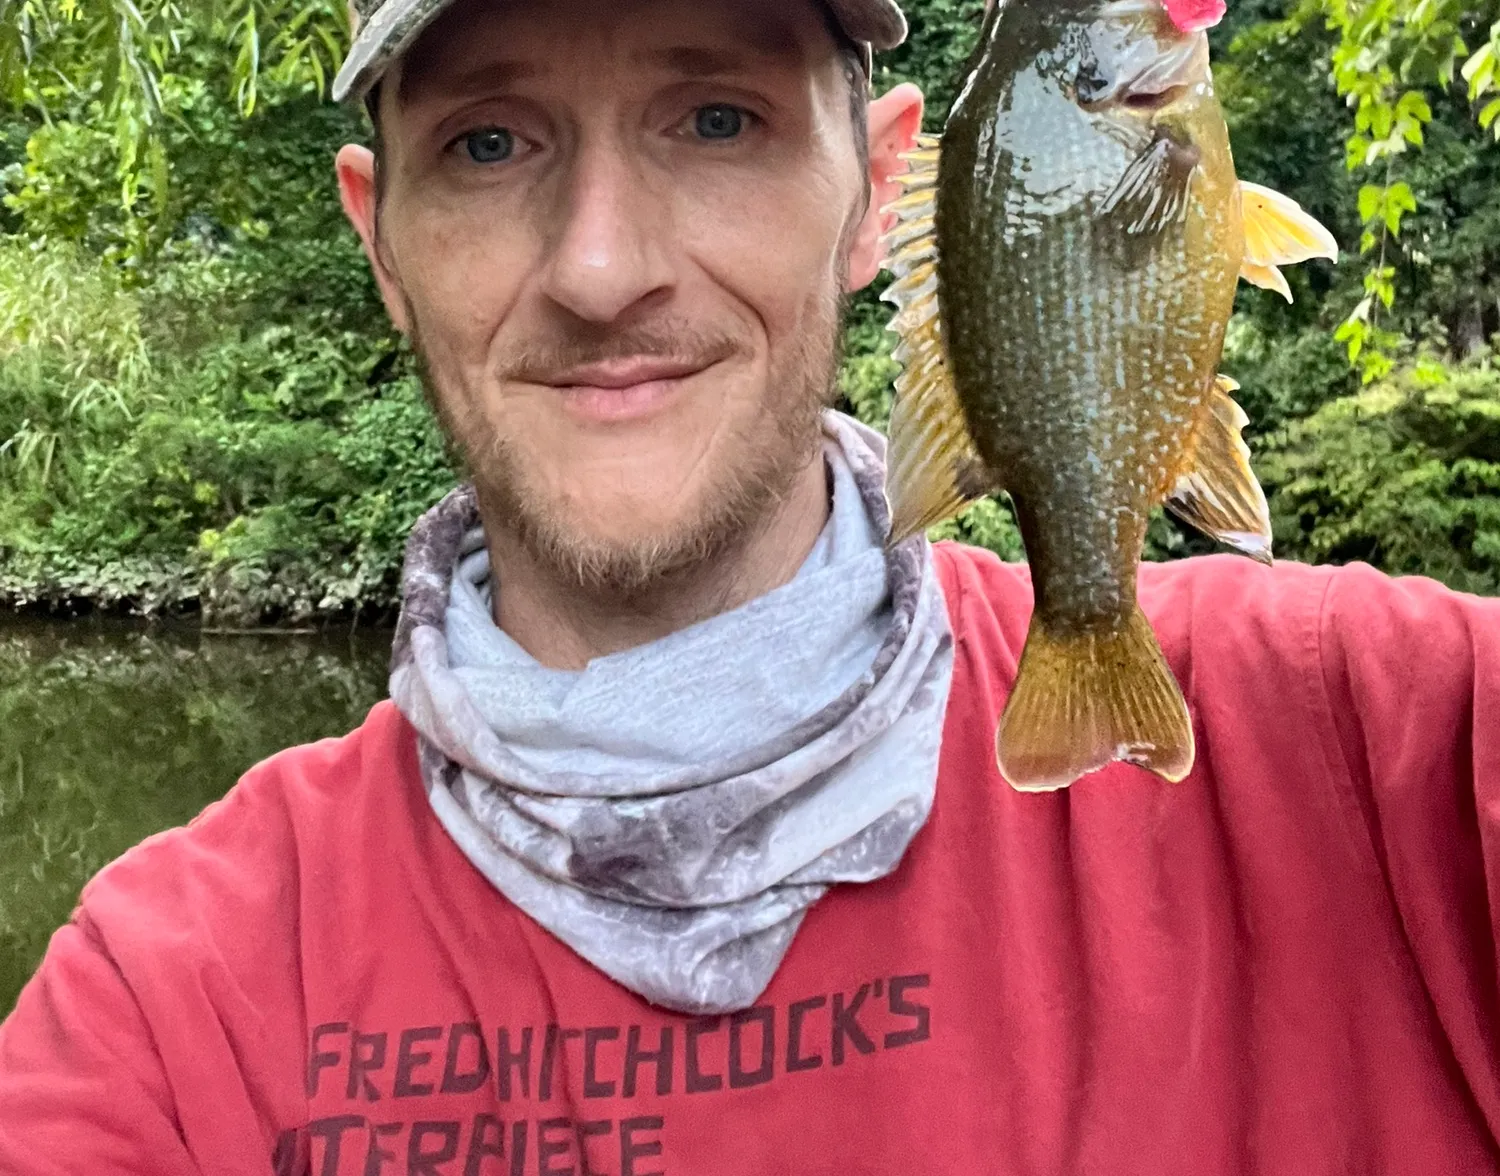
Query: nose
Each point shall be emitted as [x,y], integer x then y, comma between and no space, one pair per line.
[610,249]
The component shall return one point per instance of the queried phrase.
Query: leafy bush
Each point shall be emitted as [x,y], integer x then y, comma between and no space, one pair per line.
[163,454]
[202,405]
[1404,475]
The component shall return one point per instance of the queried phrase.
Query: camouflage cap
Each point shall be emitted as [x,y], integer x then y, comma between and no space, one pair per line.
[385,29]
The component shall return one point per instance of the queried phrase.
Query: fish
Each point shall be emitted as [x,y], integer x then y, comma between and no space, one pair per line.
[1065,257]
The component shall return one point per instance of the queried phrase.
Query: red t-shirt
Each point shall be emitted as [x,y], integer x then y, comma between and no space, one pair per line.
[1284,964]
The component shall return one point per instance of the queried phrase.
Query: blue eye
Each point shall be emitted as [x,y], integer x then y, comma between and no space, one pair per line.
[491,145]
[720,122]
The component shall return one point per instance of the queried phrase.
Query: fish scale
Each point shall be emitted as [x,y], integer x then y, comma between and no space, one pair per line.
[1065,265]
[1044,441]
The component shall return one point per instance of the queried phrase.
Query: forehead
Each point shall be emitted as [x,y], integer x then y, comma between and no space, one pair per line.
[476,42]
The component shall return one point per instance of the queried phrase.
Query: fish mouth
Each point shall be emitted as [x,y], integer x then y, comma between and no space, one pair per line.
[1152,101]
[1143,102]
[1150,75]
[1118,8]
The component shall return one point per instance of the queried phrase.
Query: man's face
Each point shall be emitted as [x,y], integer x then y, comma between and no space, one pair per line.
[618,232]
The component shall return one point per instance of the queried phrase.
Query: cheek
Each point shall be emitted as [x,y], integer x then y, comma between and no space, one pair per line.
[772,243]
[462,273]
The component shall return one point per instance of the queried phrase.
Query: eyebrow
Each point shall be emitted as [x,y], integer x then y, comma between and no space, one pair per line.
[494,75]
[767,42]
[698,62]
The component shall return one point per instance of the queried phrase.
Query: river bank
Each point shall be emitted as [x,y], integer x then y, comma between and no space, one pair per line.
[290,596]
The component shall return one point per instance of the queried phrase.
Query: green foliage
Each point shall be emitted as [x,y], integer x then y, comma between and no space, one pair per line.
[201,403]
[1395,58]
[120,61]
[1404,474]
[163,453]
[934,55]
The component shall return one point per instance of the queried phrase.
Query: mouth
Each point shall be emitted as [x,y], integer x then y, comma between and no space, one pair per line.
[625,390]
[1152,101]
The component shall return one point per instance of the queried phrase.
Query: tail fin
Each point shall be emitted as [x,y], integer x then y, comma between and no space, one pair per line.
[1083,701]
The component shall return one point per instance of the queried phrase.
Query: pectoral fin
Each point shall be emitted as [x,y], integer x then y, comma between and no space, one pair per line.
[1219,493]
[1278,231]
[1153,192]
[933,468]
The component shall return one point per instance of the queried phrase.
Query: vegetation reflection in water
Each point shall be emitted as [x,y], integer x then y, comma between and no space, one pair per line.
[112,732]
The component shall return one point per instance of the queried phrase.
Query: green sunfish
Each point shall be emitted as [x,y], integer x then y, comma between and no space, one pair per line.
[1066,258]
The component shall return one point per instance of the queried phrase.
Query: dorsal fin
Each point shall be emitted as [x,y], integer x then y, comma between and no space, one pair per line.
[1278,231]
[934,470]
[1218,492]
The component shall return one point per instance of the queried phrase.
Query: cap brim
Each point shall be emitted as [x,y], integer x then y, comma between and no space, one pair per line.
[397,24]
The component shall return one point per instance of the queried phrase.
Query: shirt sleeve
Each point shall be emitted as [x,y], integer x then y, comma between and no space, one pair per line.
[164,1030]
[1412,671]
[82,1088]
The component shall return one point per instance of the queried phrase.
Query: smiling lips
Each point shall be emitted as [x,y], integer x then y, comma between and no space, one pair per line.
[622,390]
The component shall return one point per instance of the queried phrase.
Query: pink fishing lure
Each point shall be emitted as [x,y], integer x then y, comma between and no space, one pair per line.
[1192,15]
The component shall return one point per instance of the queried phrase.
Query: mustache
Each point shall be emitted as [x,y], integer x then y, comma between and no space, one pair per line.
[670,341]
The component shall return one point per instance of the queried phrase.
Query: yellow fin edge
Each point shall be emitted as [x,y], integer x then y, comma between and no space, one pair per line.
[1278,231]
[933,470]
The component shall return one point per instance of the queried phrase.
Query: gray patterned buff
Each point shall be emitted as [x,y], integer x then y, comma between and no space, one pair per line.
[672,811]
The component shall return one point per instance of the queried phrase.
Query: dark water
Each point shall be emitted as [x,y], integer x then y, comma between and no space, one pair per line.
[110,732]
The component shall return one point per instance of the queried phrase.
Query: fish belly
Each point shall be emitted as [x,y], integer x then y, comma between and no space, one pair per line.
[1083,361]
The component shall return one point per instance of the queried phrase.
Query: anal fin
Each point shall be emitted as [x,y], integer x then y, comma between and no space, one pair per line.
[1278,231]
[1218,493]
[1084,700]
[933,470]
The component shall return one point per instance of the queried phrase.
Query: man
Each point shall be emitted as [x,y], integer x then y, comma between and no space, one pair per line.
[681,848]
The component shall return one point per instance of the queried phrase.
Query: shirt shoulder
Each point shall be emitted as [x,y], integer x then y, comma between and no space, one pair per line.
[244,854]
[210,925]
[1199,602]
[1223,618]
[1328,657]
[1230,628]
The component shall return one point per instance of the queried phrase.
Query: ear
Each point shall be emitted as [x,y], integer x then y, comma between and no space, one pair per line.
[895,121]
[357,192]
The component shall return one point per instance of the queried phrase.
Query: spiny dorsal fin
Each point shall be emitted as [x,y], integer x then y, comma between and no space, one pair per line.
[934,470]
[1219,493]
[1278,231]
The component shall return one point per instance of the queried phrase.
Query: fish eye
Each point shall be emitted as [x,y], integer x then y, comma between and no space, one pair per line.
[719,121]
[490,145]
[1090,83]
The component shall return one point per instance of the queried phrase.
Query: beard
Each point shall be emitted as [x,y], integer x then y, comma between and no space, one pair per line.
[758,466]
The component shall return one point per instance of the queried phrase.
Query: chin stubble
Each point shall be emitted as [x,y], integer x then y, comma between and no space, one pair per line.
[747,492]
